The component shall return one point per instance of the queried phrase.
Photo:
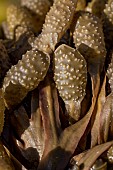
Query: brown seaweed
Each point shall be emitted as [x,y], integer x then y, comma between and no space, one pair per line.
[55,25]
[20,79]
[89,40]
[70,74]
[105,118]
[60,147]
[59,102]
[96,130]
[86,159]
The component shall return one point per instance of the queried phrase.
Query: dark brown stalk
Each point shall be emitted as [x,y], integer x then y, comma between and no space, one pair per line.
[97,120]
[50,114]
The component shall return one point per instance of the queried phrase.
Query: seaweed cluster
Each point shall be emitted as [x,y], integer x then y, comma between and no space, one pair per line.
[56,85]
